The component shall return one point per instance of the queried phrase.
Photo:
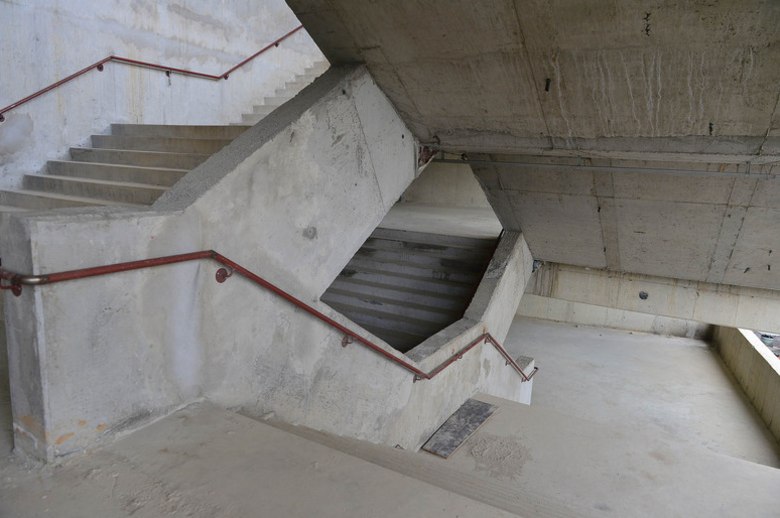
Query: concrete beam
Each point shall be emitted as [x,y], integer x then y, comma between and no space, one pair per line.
[730,306]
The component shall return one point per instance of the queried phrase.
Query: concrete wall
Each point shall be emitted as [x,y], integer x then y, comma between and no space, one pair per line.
[732,306]
[447,185]
[48,43]
[558,310]
[757,370]
[292,199]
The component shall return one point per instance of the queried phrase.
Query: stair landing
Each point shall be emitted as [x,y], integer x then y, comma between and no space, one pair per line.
[204,462]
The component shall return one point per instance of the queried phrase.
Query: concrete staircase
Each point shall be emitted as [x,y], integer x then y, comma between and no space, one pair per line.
[406,286]
[283,94]
[133,165]
[136,163]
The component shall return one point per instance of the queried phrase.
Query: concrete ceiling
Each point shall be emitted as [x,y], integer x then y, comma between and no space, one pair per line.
[630,86]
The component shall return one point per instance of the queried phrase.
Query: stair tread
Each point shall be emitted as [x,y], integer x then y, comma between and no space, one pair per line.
[12,208]
[75,179]
[68,197]
[205,155]
[121,166]
[388,301]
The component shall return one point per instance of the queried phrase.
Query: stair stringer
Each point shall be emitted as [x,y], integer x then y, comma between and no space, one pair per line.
[291,199]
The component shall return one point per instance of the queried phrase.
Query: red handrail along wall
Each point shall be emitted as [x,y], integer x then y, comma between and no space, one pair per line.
[144,64]
[15,281]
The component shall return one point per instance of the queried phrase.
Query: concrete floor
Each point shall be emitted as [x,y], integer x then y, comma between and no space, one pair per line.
[450,221]
[206,462]
[637,382]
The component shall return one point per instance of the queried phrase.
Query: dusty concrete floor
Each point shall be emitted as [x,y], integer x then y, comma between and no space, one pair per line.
[643,382]
[206,462]
[451,221]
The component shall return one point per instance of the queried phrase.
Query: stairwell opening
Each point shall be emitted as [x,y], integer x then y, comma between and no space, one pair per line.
[418,272]
[406,286]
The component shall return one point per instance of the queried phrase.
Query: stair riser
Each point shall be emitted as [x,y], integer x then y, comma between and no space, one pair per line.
[25,201]
[395,309]
[172,145]
[198,132]
[374,321]
[159,177]
[138,158]
[433,240]
[439,274]
[464,264]
[471,255]
[121,194]
[396,295]
[455,290]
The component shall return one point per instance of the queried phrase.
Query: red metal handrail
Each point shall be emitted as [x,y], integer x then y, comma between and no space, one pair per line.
[16,281]
[156,66]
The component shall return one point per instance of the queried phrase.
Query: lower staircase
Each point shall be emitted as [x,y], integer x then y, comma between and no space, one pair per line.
[406,286]
[136,163]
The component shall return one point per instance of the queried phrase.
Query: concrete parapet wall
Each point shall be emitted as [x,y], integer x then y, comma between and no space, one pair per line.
[291,199]
[49,42]
[708,303]
[547,308]
[756,369]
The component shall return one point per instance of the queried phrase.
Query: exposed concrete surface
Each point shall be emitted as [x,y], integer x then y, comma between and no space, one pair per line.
[710,222]
[756,369]
[675,388]
[685,86]
[598,470]
[47,46]
[482,75]
[317,176]
[731,306]
[547,308]
[206,462]
[533,461]
[450,221]
[446,185]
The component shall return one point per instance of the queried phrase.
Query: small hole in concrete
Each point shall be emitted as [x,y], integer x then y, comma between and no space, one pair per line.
[643,295]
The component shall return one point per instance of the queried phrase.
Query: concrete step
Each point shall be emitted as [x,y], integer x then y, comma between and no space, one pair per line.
[186,161]
[204,461]
[177,131]
[433,240]
[11,208]
[39,200]
[117,173]
[168,144]
[387,320]
[251,118]
[502,493]
[377,277]
[122,192]
[410,283]
[397,295]
[418,249]
[387,306]
[408,269]
[278,99]
[265,109]
[423,260]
